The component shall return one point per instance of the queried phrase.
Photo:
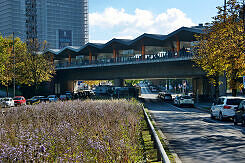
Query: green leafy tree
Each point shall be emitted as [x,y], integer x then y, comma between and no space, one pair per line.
[132,82]
[38,67]
[220,49]
[11,62]
[26,64]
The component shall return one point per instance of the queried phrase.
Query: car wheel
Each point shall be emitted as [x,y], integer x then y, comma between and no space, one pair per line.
[220,116]
[243,122]
[211,115]
[235,120]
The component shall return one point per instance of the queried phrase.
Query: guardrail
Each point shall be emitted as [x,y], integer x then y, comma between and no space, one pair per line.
[120,61]
[161,154]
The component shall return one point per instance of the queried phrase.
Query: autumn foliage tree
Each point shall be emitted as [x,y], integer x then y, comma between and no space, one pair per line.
[220,49]
[11,63]
[25,66]
[39,67]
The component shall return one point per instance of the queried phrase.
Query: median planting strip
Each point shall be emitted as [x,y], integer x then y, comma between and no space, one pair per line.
[77,131]
[73,131]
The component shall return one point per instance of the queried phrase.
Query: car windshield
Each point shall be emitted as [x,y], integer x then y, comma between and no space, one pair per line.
[17,98]
[233,101]
[7,99]
[51,96]
[62,95]
[186,97]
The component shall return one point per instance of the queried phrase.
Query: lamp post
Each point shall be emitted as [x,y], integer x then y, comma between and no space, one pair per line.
[14,64]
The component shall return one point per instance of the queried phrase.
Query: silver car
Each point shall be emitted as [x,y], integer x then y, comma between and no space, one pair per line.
[225,107]
[184,101]
[7,102]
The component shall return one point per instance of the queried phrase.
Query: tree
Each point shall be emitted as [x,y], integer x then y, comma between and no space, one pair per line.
[132,82]
[27,65]
[9,61]
[38,67]
[220,49]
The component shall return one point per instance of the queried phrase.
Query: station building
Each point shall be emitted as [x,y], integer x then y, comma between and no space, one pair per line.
[145,47]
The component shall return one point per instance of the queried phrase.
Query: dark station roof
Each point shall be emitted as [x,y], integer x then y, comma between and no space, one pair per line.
[182,34]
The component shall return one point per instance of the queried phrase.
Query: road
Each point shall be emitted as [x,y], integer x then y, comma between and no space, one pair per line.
[194,136]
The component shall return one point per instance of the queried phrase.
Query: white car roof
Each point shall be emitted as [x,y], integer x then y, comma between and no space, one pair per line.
[232,97]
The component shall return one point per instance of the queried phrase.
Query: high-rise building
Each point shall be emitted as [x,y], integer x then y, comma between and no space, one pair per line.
[60,22]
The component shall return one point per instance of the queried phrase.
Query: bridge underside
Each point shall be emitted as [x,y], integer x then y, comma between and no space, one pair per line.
[173,69]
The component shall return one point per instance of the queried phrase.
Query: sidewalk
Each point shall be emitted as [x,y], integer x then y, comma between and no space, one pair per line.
[205,106]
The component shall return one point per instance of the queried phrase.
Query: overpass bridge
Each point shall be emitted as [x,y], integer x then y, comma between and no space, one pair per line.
[149,56]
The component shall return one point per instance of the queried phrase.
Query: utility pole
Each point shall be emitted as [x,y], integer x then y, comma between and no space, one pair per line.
[224,10]
[14,64]
[243,15]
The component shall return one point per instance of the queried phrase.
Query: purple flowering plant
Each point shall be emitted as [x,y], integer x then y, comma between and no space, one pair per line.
[72,131]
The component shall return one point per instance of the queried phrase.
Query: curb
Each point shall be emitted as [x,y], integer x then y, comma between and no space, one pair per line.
[171,149]
[201,108]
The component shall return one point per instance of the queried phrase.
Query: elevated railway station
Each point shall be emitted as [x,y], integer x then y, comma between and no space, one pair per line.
[149,56]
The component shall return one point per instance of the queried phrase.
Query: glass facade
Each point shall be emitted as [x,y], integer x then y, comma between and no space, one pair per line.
[59,22]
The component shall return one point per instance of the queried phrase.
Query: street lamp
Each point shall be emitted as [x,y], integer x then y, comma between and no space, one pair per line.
[14,64]
[14,60]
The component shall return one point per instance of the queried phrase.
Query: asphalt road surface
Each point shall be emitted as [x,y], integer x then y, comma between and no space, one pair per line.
[195,137]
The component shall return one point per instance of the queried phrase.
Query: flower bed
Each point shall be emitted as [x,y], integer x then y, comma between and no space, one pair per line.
[74,131]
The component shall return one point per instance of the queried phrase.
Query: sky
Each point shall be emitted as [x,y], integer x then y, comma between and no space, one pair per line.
[128,19]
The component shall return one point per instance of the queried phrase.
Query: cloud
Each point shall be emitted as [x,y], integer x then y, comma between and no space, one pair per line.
[125,25]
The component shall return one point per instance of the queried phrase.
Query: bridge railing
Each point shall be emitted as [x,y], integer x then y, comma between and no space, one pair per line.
[134,59]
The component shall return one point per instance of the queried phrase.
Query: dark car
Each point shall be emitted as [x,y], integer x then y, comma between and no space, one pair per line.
[160,95]
[167,97]
[63,97]
[36,100]
[240,114]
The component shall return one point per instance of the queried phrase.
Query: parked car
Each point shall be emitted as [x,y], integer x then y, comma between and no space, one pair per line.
[240,114]
[176,100]
[63,97]
[184,101]
[36,100]
[160,95]
[53,98]
[19,100]
[153,89]
[167,97]
[225,107]
[7,102]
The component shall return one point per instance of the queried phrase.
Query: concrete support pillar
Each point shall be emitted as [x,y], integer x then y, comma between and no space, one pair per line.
[57,88]
[143,51]
[223,86]
[65,85]
[90,56]
[197,86]
[202,88]
[119,82]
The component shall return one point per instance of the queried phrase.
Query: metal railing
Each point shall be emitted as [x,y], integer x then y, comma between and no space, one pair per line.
[161,154]
[125,60]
